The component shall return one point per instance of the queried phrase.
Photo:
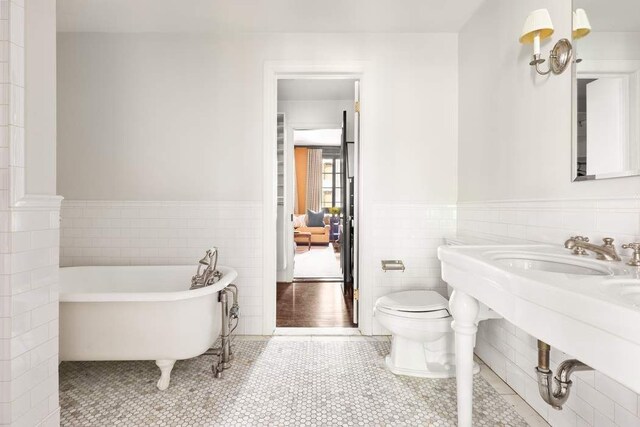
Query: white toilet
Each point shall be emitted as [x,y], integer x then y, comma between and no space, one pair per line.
[423,341]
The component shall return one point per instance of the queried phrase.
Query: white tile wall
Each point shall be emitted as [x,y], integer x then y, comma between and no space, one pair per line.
[164,233]
[29,317]
[596,400]
[29,253]
[552,221]
[411,233]
[142,233]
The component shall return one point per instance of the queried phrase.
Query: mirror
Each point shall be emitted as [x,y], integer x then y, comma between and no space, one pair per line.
[606,89]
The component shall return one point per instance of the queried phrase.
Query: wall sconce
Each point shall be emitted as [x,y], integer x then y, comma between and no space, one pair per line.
[581,27]
[538,27]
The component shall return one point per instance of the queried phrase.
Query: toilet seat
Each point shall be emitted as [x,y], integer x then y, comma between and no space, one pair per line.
[418,304]
[437,314]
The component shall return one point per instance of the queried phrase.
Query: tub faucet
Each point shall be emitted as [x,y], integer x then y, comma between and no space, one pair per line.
[209,274]
[581,245]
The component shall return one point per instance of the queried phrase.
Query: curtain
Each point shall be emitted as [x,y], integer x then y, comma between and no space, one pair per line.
[314,179]
[301,159]
[296,206]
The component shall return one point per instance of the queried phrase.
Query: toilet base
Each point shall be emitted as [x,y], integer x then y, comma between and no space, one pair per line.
[435,370]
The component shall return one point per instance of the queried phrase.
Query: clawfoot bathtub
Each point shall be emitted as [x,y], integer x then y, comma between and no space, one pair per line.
[138,313]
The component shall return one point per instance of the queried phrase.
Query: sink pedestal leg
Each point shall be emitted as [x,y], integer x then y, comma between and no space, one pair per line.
[464,310]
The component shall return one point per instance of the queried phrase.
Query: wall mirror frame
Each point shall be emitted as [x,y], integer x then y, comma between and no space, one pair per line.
[605,89]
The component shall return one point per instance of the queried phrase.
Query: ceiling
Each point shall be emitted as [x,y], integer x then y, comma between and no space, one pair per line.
[611,15]
[315,89]
[308,16]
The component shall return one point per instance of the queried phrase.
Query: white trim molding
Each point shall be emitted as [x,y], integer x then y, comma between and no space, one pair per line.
[39,201]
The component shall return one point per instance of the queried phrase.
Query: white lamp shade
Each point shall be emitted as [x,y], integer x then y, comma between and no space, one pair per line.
[581,24]
[538,23]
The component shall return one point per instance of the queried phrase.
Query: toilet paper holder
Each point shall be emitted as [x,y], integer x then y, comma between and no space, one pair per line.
[392,265]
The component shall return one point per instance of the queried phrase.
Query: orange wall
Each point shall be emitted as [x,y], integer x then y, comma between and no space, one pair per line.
[301,157]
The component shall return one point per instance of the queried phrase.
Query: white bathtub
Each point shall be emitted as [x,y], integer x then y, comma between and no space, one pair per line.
[138,313]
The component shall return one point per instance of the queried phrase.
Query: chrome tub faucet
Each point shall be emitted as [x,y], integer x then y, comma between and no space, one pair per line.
[209,274]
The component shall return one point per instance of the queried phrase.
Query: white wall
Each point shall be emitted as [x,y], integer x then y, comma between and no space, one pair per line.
[134,106]
[178,118]
[40,92]
[515,184]
[317,114]
[515,133]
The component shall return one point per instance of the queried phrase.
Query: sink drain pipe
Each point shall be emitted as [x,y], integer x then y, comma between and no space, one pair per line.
[555,391]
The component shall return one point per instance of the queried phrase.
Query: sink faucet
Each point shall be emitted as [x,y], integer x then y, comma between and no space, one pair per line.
[581,244]
[209,275]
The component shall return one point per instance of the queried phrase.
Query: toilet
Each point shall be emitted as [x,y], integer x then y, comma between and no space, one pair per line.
[422,339]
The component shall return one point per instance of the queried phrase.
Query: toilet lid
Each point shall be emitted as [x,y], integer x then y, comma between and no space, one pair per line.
[414,301]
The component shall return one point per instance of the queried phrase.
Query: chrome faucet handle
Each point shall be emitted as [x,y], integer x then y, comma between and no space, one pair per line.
[577,250]
[635,258]
[608,244]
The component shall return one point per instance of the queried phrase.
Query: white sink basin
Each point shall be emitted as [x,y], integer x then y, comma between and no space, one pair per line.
[550,264]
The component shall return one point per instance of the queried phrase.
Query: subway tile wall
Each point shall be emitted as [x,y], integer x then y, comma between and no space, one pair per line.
[146,233]
[596,400]
[552,221]
[411,233]
[29,253]
[169,233]
[29,256]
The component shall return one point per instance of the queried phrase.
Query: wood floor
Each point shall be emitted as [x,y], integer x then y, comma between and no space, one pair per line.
[313,305]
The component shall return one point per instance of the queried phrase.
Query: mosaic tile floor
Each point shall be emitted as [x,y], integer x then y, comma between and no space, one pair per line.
[271,382]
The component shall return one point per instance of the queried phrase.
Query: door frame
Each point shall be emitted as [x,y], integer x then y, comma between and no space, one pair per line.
[273,71]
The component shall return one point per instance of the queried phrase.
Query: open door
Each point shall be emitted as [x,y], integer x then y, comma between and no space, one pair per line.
[352,198]
[347,238]
[349,249]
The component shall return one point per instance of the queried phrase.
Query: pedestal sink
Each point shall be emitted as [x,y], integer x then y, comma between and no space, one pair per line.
[582,306]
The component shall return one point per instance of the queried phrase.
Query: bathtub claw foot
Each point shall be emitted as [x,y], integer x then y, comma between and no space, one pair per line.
[165,373]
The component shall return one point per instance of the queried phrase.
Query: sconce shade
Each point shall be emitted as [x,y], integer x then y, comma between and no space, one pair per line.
[538,23]
[581,24]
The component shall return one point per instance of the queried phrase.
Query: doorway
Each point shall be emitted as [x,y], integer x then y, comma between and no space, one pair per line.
[317,134]
[317,246]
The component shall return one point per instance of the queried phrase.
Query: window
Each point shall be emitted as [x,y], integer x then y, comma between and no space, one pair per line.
[331,179]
